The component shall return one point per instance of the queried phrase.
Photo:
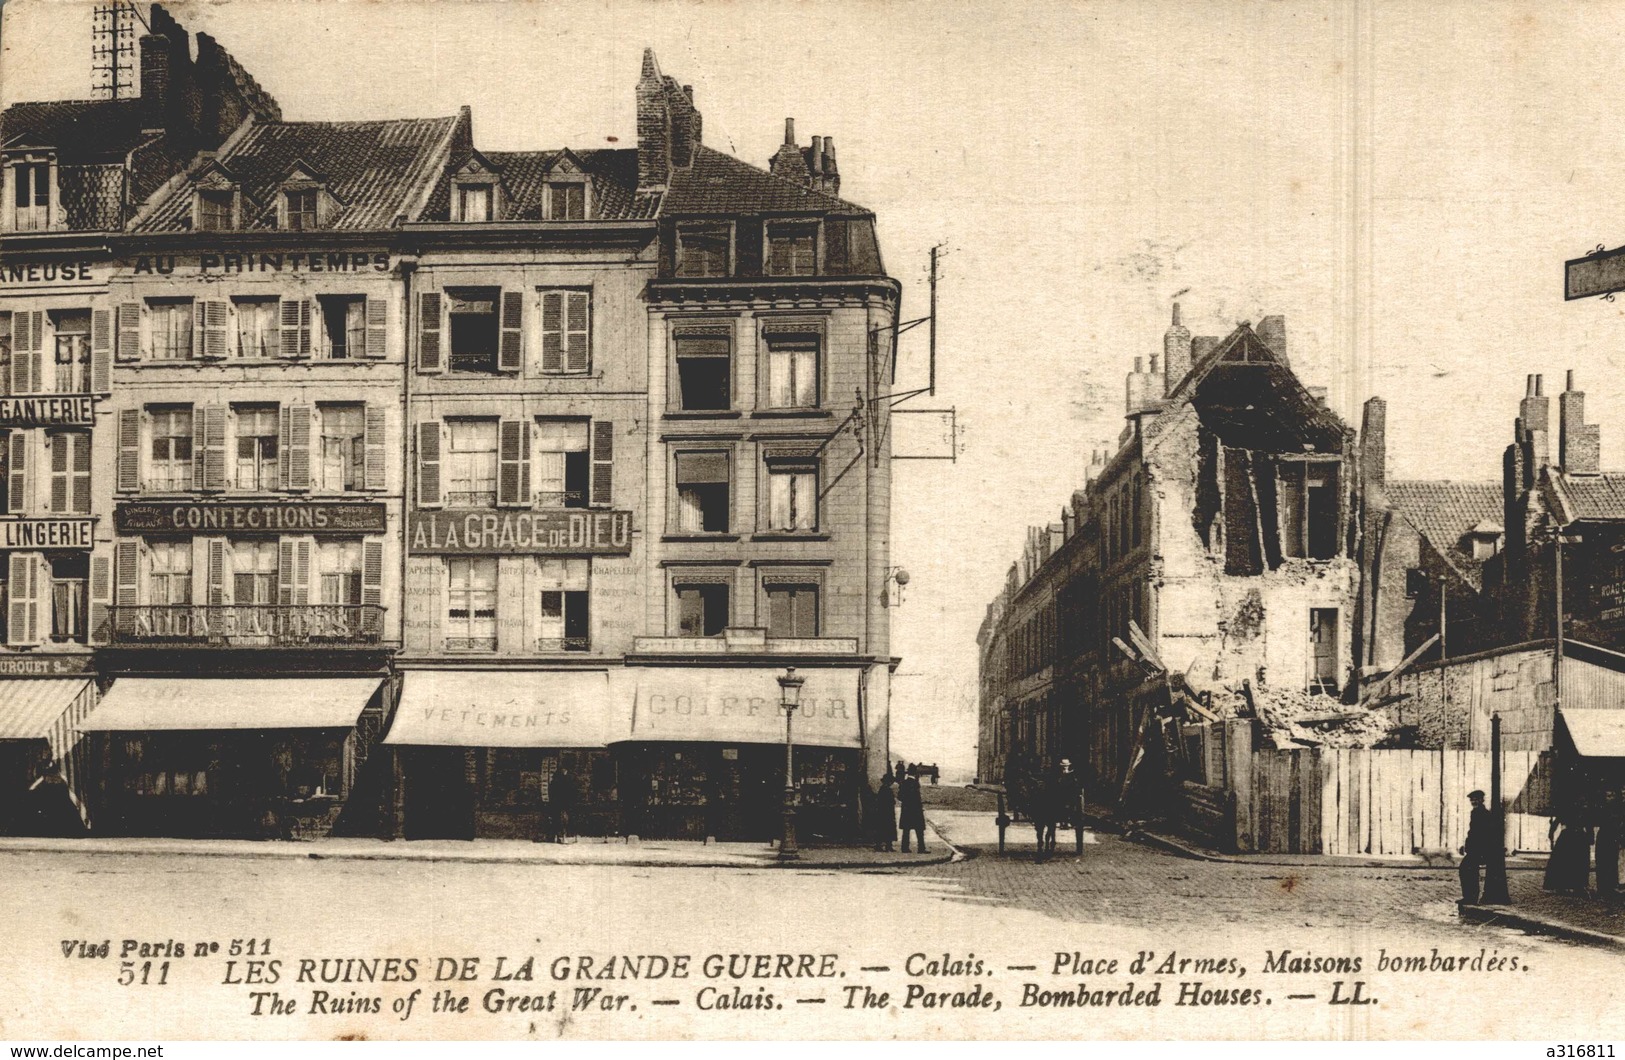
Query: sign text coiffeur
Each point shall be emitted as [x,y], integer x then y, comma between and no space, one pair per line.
[489,532]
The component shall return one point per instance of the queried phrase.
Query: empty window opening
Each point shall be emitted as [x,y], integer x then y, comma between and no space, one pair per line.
[704,372]
[474,330]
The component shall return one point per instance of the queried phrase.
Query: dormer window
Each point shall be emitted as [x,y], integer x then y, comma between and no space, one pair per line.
[29,204]
[302,208]
[474,202]
[215,210]
[567,200]
[476,191]
[704,249]
[1484,540]
[792,248]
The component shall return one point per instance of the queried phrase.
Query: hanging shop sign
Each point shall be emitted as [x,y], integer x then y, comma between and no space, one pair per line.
[227,517]
[492,532]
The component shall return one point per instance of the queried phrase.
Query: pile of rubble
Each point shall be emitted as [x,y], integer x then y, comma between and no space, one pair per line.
[1302,719]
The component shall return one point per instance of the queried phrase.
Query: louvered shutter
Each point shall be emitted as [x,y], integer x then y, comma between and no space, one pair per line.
[372,573]
[429,352]
[577,321]
[603,463]
[26,340]
[295,446]
[429,494]
[214,327]
[61,471]
[294,561]
[129,331]
[80,473]
[126,583]
[101,593]
[293,328]
[553,331]
[373,475]
[377,320]
[511,351]
[101,351]
[209,446]
[219,576]
[19,475]
[23,597]
[513,463]
[129,450]
[285,571]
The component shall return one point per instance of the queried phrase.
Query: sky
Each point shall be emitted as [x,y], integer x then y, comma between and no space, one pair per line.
[1401,180]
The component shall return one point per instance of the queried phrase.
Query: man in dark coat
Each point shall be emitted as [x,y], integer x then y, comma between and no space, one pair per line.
[911,812]
[561,795]
[883,815]
[1480,846]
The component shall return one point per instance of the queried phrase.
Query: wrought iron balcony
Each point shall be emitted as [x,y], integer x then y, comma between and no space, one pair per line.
[248,625]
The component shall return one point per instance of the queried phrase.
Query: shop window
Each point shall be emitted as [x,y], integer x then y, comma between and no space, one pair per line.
[254,573]
[566,327]
[566,200]
[471,463]
[169,465]
[215,211]
[702,609]
[257,435]
[471,615]
[169,329]
[563,461]
[1309,509]
[344,326]
[257,334]
[792,495]
[343,447]
[792,371]
[474,329]
[301,207]
[703,493]
[169,577]
[338,564]
[704,249]
[565,622]
[704,372]
[70,472]
[792,249]
[71,328]
[792,610]
[70,576]
[31,185]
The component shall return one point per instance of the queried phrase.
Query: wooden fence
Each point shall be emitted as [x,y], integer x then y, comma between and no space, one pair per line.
[1345,801]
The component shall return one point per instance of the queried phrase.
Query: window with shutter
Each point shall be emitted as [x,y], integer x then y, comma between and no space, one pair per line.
[340,447]
[170,328]
[101,595]
[23,599]
[70,472]
[372,572]
[377,325]
[513,471]
[5,351]
[296,447]
[19,473]
[129,450]
[294,328]
[376,437]
[603,463]
[126,583]
[429,487]
[26,357]
[566,327]
[129,331]
[101,351]
[430,354]
[216,328]
[69,360]
[511,354]
[64,599]
[219,572]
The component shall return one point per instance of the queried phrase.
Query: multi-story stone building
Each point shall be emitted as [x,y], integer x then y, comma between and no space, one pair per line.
[1219,529]
[74,172]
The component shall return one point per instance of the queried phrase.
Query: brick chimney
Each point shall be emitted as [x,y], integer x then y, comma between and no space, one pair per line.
[788,162]
[1176,352]
[1534,424]
[1271,332]
[167,91]
[1374,443]
[1579,443]
[812,166]
[669,125]
[1144,389]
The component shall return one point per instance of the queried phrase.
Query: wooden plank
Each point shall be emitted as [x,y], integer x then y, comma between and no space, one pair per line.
[1330,806]
[1312,803]
[1352,783]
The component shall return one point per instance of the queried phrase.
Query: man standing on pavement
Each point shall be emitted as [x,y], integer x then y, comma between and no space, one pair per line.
[911,811]
[1480,845]
[561,793]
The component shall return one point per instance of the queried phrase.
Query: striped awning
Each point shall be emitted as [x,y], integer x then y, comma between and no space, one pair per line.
[31,707]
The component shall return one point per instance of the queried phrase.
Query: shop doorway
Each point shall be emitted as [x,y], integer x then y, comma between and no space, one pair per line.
[439,797]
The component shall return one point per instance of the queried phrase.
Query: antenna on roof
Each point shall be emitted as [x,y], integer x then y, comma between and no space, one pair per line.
[113,73]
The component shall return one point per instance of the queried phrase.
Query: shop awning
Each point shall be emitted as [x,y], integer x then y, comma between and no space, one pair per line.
[499,708]
[741,705]
[30,708]
[151,704]
[1596,733]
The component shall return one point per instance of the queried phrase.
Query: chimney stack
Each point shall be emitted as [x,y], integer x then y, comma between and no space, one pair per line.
[1579,443]
[1534,423]
[1272,333]
[1374,443]
[1176,352]
[669,126]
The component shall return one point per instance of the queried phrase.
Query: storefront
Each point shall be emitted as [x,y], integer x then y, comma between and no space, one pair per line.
[480,751]
[229,757]
[703,753]
[41,754]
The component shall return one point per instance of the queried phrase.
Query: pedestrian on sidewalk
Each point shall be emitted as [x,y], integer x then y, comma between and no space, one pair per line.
[561,795]
[911,813]
[883,811]
[1480,846]
[1568,868]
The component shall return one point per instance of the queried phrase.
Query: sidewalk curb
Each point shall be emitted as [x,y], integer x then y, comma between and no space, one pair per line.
[1535,924]
[314,851]
[1179,848]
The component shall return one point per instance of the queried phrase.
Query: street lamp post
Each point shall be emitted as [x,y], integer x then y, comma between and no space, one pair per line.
[789,700]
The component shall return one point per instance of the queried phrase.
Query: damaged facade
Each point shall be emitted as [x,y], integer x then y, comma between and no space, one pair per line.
[1208,556]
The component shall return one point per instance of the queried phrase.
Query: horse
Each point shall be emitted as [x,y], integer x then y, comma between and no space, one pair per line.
[1044,810]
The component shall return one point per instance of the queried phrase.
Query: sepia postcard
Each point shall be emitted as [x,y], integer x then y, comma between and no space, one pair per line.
[740,519]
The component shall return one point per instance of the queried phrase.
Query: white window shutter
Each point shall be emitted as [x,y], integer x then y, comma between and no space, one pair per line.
[375,429]
[23,604]
[19,470]
[377,322]
[101,351]
[129,450]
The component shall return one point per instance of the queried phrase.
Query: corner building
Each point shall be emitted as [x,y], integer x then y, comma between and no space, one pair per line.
[649,475]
